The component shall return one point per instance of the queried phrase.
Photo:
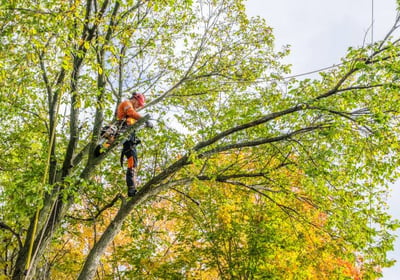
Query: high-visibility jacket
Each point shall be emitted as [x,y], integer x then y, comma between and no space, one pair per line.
[127,111]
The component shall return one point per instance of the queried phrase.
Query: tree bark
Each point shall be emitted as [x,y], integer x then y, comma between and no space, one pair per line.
[149,189]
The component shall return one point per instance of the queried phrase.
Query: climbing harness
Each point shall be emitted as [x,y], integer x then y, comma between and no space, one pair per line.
[129,148]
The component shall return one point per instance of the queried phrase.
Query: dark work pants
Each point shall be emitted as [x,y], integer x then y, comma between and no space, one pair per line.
[129,151]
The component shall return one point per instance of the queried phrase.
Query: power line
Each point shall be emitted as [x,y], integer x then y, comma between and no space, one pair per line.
[372,21]
[313,71]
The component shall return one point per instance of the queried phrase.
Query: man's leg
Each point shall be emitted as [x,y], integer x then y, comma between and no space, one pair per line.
[131,177]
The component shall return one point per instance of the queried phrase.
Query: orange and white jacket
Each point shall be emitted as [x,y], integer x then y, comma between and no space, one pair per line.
[126,111]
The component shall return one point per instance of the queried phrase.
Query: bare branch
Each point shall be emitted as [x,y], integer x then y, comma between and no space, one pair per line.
[6,227]
[186,195]
[105,207]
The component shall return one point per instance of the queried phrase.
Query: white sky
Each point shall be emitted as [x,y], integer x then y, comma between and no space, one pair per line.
[319,32]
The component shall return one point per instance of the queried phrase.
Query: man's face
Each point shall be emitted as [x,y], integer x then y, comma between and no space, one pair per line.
[135,103]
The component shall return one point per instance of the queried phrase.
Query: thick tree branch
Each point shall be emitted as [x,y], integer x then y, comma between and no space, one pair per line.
[238,128]
[87,36]
[101,80]
[261,141]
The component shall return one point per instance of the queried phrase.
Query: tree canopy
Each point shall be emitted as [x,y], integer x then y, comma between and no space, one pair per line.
[246,175]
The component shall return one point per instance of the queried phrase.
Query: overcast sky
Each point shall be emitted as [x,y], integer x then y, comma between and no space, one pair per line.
[320,32]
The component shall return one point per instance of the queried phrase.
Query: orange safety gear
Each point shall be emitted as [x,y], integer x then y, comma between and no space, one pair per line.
[131,162]
[126,110]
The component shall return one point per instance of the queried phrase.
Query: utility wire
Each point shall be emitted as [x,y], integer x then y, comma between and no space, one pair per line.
[372,22]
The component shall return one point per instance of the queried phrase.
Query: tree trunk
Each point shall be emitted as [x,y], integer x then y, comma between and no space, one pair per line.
[47,224]
[149,189]
[93,259]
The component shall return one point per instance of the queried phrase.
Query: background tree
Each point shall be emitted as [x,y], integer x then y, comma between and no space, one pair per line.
[212,78]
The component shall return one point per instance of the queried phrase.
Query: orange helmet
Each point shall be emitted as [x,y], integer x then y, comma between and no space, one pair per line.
[140,98]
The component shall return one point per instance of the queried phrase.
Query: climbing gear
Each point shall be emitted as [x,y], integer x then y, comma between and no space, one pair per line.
[108,135]
[129,149]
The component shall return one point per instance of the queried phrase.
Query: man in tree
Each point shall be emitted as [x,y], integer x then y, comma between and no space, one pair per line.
[127,113]
[126,117]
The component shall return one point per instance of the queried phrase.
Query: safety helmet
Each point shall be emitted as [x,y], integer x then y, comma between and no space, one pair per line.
[140,98]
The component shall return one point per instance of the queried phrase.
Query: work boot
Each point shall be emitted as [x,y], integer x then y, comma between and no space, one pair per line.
[131,191]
